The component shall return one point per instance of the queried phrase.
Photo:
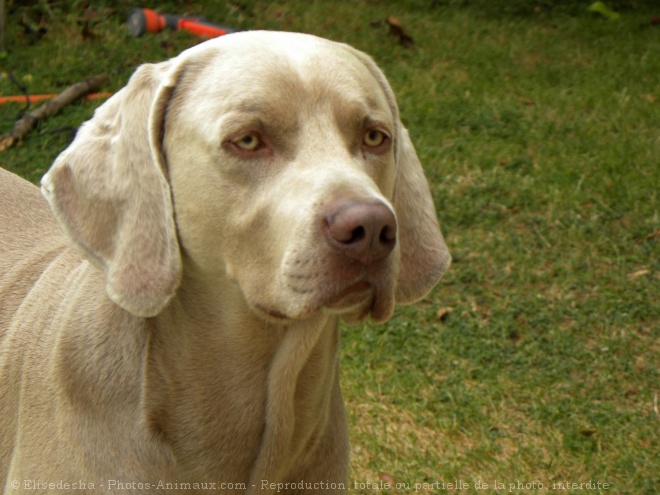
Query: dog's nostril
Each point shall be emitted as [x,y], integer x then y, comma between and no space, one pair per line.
[387,235]
[357,235]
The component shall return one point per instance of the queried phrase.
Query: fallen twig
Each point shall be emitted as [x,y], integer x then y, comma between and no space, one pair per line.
[26,123]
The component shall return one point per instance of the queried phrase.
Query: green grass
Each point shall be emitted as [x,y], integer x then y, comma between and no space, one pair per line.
[540,135]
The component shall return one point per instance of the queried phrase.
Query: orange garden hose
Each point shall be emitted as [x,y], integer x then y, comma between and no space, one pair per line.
[37,98]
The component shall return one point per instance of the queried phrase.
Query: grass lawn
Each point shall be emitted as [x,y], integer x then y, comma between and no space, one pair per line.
[536,359]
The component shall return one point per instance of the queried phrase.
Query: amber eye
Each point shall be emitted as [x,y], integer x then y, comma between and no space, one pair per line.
[251,142]
[374,138]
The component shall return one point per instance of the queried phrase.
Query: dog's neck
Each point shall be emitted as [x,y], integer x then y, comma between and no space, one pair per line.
[276,382]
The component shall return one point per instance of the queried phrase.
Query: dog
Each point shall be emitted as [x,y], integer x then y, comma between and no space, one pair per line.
[169,311]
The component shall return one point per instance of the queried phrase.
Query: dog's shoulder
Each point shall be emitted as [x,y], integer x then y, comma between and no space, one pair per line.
[30,238]
[24,212]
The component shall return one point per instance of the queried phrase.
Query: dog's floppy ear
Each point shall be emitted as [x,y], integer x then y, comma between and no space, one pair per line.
[109,192]
[424,254]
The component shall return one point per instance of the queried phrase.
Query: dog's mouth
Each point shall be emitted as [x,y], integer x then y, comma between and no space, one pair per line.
[355,294]
[372,294]
[271,313]
[353,302]
[348,291]
[354,297]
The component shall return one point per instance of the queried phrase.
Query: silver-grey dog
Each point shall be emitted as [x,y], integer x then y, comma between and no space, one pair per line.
[169,314]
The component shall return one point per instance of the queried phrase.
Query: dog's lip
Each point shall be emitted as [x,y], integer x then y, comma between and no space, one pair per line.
[353,294]
[272,313]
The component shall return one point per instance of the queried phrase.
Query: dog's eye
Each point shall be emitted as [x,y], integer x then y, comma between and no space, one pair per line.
[251,142]
[374,138]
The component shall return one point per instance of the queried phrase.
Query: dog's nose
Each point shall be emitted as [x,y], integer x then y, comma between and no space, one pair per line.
[360,229]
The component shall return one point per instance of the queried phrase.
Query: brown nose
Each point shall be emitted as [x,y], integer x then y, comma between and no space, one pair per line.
[360,229]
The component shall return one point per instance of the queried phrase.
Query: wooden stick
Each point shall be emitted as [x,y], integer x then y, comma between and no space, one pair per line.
[26,123]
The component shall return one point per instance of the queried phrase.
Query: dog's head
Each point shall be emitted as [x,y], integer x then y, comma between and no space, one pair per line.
[275,160]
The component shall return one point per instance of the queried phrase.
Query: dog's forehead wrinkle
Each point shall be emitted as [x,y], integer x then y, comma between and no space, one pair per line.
[321,69]
[285,87]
